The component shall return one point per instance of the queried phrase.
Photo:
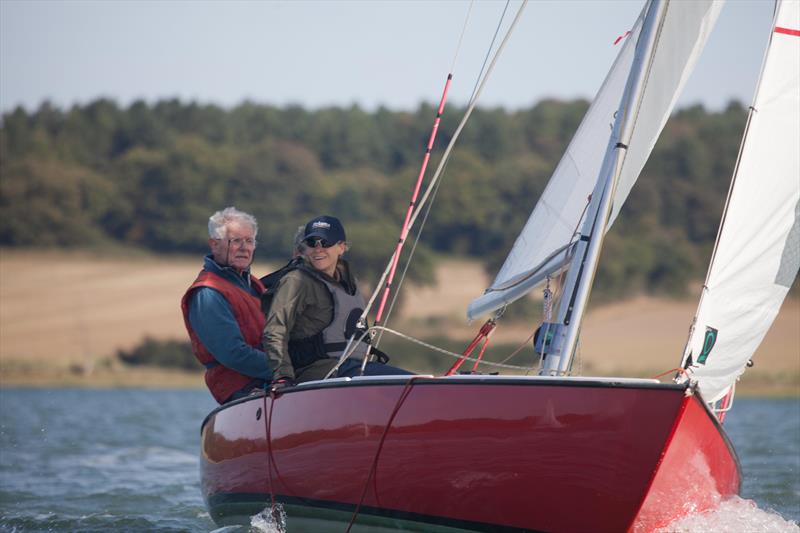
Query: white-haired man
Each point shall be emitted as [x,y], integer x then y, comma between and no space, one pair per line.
[222,309]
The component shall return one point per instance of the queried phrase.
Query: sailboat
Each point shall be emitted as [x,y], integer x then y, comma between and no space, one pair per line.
[552,452]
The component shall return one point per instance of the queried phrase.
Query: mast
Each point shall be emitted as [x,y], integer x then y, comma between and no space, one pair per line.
[582,269]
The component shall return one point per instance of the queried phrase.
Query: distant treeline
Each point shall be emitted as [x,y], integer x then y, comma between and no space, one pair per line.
[148,176]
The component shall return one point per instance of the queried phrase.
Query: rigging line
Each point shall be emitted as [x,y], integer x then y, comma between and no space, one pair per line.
[751,114]
[395,258]
[489,51]
[268,423]
[449,149]
[276,510]
[468,112]
[373,467]
[461,37]
[485,331]
[442,350]
[408,261]
[521,346]
[726,404]
[480,355]
[436,189]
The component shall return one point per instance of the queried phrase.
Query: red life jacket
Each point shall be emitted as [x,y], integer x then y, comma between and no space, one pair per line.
[221,380]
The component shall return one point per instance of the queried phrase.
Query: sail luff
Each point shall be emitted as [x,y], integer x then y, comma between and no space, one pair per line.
[562,207]
[750,113]
[688,346]
[671,51]
[544,245]
[669,75]
[757,253]
[587,256]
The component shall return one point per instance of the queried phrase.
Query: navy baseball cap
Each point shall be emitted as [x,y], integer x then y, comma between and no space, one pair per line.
[326,227]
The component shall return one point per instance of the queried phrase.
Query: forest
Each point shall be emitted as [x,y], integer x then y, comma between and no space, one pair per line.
[148,175]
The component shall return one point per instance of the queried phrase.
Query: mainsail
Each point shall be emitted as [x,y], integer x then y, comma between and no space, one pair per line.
[757,254]
[547,239]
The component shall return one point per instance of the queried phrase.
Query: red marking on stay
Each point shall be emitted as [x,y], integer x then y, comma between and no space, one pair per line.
[621,37]
[787,31]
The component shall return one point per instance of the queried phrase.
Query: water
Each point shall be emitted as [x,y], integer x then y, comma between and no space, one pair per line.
[126,460]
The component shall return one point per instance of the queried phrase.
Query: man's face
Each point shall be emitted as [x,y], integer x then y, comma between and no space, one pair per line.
[237,248]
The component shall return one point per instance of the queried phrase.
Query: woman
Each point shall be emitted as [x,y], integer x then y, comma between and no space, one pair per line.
[314,312]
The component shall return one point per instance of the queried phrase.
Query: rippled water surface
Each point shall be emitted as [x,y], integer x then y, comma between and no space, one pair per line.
[126,460]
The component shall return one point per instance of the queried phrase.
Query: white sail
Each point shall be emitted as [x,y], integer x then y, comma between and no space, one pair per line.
[757,253]
[687,26]
[544,245]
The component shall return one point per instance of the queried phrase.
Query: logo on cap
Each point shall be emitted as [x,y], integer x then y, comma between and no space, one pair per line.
[320,224]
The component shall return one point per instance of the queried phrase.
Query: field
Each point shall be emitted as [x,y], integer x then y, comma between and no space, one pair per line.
[64,315]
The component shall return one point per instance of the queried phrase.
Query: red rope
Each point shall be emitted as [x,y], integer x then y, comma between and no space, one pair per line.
[272,466]
[270,460]
[485,331]
[374,466]
[661,375]
[724,405]
[480,355]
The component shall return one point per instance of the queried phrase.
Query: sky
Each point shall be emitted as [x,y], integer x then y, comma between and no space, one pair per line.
[338,53]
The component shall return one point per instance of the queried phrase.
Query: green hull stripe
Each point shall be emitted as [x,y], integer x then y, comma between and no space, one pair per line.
[322,515]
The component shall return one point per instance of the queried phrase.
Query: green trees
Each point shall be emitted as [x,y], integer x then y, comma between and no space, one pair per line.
[149,175]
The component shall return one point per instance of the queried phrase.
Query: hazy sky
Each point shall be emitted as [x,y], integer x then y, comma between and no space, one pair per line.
[319,53]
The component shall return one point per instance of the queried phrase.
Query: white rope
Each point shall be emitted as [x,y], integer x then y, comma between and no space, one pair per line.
[446,155]
[431,185]
[489,51]
[467,114]
[399,284]
[461,37]
[446,352]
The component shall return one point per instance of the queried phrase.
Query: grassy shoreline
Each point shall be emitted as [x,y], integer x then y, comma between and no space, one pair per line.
[65,315]
[121,376]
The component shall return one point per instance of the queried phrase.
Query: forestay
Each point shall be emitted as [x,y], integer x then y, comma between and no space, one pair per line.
[757,253]
[545,243]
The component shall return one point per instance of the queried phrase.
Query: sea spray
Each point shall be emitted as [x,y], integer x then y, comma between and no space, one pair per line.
[269,520]
[733,515]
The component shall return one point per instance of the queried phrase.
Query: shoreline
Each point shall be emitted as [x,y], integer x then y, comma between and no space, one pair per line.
[119,376]
[98,304]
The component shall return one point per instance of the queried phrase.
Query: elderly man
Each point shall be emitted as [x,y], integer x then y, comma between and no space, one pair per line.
[222,309]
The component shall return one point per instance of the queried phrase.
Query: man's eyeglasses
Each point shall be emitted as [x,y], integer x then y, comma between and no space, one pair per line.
[239,242]
[312,242]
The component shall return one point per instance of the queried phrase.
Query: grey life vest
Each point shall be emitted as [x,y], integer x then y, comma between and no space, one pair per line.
[333,339]
[347,309]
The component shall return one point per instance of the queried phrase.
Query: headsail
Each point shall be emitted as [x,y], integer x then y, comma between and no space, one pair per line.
[545,243]
[757,254]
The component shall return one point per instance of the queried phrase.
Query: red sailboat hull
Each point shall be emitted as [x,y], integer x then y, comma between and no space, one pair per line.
[469,453]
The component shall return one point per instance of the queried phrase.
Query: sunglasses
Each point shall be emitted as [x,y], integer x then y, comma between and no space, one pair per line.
[312,242]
